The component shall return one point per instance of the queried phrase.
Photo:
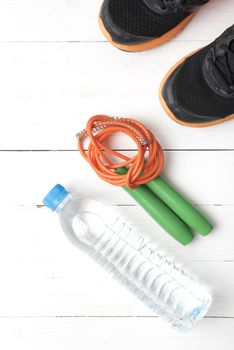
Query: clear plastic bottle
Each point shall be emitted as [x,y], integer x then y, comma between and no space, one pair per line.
[139,265]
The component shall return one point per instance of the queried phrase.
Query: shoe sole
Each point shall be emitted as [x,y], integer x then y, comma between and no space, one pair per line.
[169,112]
[149,44]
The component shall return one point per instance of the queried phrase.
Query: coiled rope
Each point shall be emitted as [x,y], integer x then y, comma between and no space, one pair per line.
[141,168]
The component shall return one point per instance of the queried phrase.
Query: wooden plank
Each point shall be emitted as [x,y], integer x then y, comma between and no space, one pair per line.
[218,246]
[205,177]
[65,20]
[50,123]
[114,333]
[48,96]
[69,69]
[42,274]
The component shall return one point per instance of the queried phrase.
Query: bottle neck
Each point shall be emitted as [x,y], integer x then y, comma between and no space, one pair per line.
[63,203]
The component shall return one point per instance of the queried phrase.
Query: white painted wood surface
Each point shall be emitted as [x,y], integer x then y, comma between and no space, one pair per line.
[56,71]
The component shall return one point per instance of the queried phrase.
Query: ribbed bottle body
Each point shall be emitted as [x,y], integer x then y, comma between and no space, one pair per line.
[139,265]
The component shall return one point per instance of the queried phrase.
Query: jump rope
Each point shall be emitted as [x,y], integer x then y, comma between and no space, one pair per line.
[140,175]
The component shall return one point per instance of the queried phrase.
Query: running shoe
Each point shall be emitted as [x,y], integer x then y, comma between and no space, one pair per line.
[199,90]
[138,25]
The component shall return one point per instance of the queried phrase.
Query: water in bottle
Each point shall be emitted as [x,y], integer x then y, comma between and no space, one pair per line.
[100,232]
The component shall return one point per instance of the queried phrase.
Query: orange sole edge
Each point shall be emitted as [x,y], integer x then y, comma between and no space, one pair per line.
[150,44]
[169,112]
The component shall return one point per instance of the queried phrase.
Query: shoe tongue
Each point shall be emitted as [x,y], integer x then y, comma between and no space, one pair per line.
[232,61]
[232,46]
[218,66]
[155,5]
[159,5]
[198,2]
[226,65]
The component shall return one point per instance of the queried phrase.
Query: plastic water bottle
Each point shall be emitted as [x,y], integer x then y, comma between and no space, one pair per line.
[139,265]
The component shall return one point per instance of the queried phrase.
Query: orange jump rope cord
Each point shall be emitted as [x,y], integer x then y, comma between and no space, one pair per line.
[142,169]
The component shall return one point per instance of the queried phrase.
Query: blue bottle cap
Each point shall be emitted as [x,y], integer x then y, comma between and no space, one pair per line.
[55,197]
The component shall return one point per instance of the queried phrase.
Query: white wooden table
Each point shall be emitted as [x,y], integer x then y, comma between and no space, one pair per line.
[57,71]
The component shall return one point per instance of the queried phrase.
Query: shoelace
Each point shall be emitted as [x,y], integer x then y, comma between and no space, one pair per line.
[222,63]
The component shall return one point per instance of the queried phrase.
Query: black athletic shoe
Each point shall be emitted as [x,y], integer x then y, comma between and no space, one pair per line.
[199,90]
[138,25]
